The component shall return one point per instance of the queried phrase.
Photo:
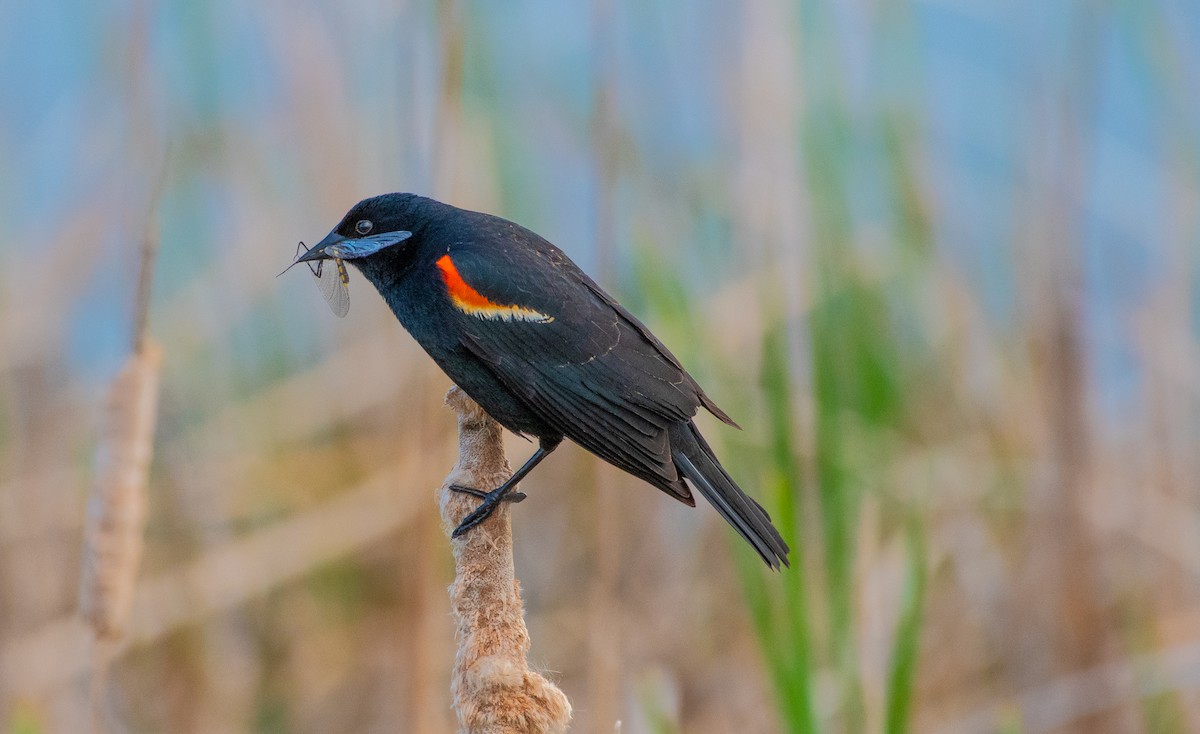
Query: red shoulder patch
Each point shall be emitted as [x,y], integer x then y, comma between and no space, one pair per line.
[470,301]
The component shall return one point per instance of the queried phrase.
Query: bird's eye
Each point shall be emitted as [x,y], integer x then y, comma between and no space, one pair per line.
[364,226]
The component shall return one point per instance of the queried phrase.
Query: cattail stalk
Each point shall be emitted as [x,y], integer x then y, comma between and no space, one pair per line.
[116,510]
[494,690]
[115,523]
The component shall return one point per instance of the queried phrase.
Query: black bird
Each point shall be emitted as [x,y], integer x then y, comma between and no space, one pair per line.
[542,348]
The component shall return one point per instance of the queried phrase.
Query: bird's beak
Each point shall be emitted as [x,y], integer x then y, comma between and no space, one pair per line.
[321,250]
[343,248]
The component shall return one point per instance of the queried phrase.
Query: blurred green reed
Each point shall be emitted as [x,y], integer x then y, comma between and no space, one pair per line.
[24,721]
[859,340]
[657,719]
[856,373]
[857,401]
[900,694]
[858,378]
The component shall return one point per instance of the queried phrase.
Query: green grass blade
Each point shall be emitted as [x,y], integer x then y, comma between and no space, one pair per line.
[908,633]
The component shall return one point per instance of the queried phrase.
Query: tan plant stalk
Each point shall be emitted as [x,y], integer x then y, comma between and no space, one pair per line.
[494,690]
[116,511]
[115,522]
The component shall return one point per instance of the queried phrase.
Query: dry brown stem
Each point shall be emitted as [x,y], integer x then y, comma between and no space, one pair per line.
[116,512]
[494,690]
[45,660]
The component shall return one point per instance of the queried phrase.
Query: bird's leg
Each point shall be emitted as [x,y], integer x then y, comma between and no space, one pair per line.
[501,493]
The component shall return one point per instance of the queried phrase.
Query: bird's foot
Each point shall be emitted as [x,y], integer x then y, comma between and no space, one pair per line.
[491,500]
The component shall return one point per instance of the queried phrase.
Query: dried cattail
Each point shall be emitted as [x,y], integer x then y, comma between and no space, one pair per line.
[116,512]
[493,688]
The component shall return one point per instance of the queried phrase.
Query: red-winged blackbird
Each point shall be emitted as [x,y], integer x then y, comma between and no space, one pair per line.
[542,348]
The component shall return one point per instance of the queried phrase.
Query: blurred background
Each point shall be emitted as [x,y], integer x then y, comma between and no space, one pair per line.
[938,257]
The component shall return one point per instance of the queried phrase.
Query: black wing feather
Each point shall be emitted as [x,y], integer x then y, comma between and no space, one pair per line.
[536,274]
[591,373]
[600,428]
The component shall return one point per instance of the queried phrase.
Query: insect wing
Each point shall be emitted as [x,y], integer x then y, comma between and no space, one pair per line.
[333,282]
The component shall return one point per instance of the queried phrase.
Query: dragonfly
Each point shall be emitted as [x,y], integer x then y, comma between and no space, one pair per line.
[333,281]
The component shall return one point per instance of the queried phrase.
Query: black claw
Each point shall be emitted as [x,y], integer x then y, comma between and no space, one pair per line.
[470,521]
[478,515]
[480,494]
[468,490]
[491,500]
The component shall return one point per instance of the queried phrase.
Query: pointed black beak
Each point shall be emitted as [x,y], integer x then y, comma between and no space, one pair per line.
[343,248]
[320,251]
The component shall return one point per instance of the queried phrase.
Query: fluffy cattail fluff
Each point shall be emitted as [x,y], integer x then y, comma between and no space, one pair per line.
[116,511]
[494,690]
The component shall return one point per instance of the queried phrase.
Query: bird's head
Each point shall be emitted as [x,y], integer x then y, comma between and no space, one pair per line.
[373,227]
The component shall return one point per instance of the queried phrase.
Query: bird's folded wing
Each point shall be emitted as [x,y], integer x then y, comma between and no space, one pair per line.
[614,428]
[590,372]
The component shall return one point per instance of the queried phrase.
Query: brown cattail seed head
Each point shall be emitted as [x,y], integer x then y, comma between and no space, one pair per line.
[494,690]
[116,510]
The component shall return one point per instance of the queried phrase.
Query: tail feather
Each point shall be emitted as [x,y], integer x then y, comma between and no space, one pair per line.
[696,461]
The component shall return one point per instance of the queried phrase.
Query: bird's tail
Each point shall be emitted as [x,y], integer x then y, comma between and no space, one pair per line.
[696,461]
